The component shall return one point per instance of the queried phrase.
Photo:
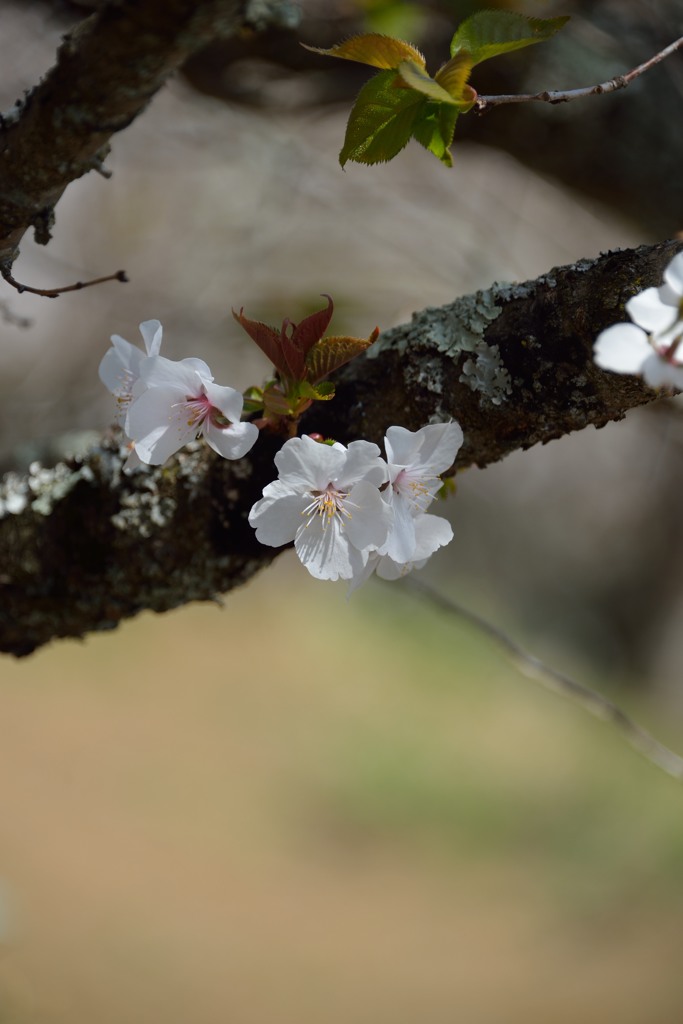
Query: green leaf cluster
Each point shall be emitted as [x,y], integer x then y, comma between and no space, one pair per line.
[403,101]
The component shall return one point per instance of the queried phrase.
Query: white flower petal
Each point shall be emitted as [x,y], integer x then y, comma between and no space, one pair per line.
[148,446]
[151,331]
[658,373]
[673,275]
[370,520]
[364,462]
[402,446]
[185,374]
[129,355]
[306,464]
[431,449]
[622,348]
[363,574]
[199,366]
[400,544]
[114,374]
[431,533]
[277,517]
[231,442]
[669,344]
[227,400]
[648,311]
[159,424]
[133,461]
[324,549]
[388,569]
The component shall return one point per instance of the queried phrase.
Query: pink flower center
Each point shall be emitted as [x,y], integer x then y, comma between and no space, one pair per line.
[199,409]
[413,488]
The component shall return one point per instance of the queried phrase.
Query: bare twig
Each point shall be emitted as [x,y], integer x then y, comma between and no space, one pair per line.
[485,103]
[532,667]
[53,293]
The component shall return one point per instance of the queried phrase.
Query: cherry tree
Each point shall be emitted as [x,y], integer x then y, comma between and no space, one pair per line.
[152,517]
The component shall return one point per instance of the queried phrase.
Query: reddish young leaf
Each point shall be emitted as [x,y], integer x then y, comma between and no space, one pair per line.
[292,354]
[303,336]
[330,353]
[313,327]
[267,339]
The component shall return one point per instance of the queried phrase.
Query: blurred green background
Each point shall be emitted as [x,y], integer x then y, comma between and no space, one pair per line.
[295,808]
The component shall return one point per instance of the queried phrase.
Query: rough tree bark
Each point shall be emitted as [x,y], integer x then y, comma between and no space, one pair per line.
[83,546]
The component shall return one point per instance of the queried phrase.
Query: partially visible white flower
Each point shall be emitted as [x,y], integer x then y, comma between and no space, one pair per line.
[179,402]
[327,500]
[120,366]
[651,346]
[416,461]
[431,533]
[660,310]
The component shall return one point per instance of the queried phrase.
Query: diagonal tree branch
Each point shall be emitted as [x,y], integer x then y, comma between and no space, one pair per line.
[107,70]
[83,546]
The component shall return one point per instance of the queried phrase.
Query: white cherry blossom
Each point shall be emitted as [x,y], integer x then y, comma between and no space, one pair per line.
[327,500]
[120,366]
[651,346]
[179,403]
[416,461]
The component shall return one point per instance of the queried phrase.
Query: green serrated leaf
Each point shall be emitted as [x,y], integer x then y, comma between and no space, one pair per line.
[381,121]
[373,48]
[417,78]
[453,78]
[434,130]
[322,392]
[489,33]
[329,354]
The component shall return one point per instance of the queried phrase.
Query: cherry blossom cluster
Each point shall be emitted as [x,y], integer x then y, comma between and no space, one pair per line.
[162,403]
[349,511]
[651,346]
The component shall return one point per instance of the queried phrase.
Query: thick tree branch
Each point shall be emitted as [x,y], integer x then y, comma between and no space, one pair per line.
[107,70]
[83,546]
[543,332]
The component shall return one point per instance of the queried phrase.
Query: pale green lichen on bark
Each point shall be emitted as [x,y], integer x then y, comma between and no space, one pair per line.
[456,331]
[453,329]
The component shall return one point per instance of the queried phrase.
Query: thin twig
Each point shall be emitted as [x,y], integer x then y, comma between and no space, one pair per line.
[484,103]
[597,704]
[53,293]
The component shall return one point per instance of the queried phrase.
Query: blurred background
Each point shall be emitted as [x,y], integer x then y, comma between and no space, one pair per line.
[296,808]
